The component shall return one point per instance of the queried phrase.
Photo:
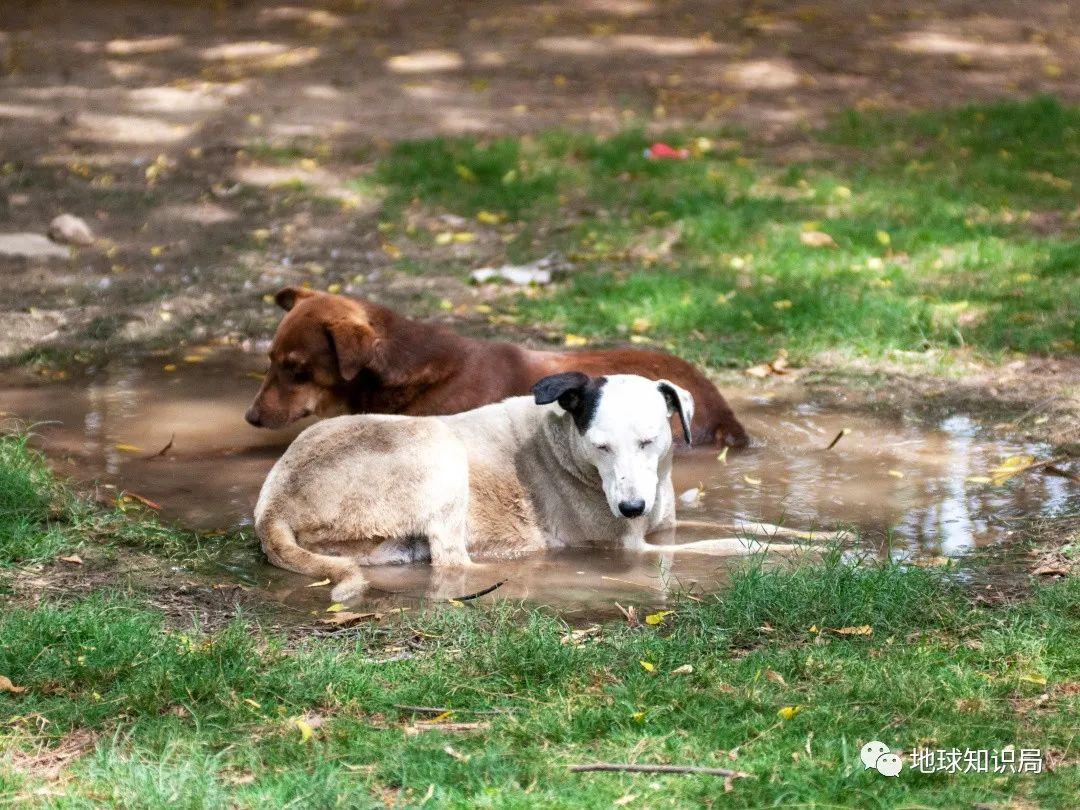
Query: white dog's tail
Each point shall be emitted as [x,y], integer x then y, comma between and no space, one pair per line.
[279,544]
[755,528]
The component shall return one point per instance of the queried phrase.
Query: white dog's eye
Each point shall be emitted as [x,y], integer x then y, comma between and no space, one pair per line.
[645,443]
[604,448]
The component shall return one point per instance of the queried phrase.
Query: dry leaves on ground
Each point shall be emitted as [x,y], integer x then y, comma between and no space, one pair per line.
[577,637]
[346,618]
[49,763]
[776,367]
[1053,564]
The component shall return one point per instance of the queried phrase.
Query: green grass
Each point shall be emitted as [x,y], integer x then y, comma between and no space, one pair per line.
[25,498]
[185,718]
[40,519]
[952,230]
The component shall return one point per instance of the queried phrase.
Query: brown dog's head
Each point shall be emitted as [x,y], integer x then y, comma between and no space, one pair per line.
[322,344]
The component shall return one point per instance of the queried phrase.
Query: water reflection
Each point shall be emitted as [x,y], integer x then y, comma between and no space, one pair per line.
[894,481]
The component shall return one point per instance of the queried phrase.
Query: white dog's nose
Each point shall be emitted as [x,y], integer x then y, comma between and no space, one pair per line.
[632,509]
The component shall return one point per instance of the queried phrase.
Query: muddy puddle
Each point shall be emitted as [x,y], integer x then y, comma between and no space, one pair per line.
[909,489]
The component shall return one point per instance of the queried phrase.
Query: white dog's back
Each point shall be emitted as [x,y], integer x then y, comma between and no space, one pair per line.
[503,480]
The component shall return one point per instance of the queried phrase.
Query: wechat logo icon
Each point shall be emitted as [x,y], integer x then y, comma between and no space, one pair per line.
[877,755]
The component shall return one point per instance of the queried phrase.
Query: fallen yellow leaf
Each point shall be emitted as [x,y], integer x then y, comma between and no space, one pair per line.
[318,584]
[788,712]
[648,666]
[306,732]
[1015,463]
[253,703]
[1010,467]
[658,617]
[1036,679]
[896,474]
[490,218]
[860,630]
[335,608]
[128,448]
[575,340]
[722,458]
[752,481]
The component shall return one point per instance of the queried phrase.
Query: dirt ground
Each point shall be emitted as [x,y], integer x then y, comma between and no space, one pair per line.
[163,124]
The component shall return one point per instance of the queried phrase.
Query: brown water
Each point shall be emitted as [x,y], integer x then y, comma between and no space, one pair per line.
[902,485]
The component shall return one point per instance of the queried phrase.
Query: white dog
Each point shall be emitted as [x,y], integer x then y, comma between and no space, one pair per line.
[587,462]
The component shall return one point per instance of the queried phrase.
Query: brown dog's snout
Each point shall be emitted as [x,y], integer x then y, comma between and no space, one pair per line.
[253,416]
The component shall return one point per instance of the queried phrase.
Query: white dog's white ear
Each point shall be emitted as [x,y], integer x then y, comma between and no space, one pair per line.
[680,401]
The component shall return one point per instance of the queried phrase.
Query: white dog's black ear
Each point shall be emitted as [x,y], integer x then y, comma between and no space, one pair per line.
[578,394]
[680,401]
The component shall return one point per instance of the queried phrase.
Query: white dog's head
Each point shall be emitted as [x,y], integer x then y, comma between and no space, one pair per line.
[623,429]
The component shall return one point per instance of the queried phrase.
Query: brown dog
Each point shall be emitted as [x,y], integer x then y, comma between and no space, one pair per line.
[334,355]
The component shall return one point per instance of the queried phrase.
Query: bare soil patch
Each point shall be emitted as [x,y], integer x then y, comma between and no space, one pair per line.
[210,146]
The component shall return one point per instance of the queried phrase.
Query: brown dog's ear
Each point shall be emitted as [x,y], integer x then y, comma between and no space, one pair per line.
[353,343]
[286,298]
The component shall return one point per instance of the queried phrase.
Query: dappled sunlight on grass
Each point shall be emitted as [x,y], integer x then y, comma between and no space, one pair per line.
[938,230]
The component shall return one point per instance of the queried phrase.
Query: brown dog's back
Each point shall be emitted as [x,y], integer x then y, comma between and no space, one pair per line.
[335,355]
[714,420]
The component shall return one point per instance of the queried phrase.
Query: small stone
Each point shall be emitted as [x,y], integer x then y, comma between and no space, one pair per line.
[68,229]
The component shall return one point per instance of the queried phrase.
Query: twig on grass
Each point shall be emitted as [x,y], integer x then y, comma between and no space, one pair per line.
[627,766]
[443,709]
[417,728]
[478,594]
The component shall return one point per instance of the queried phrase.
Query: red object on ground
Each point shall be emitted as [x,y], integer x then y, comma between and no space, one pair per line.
[663,151]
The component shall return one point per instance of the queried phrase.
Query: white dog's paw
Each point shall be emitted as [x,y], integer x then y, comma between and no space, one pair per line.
[349,588]
[450,582]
